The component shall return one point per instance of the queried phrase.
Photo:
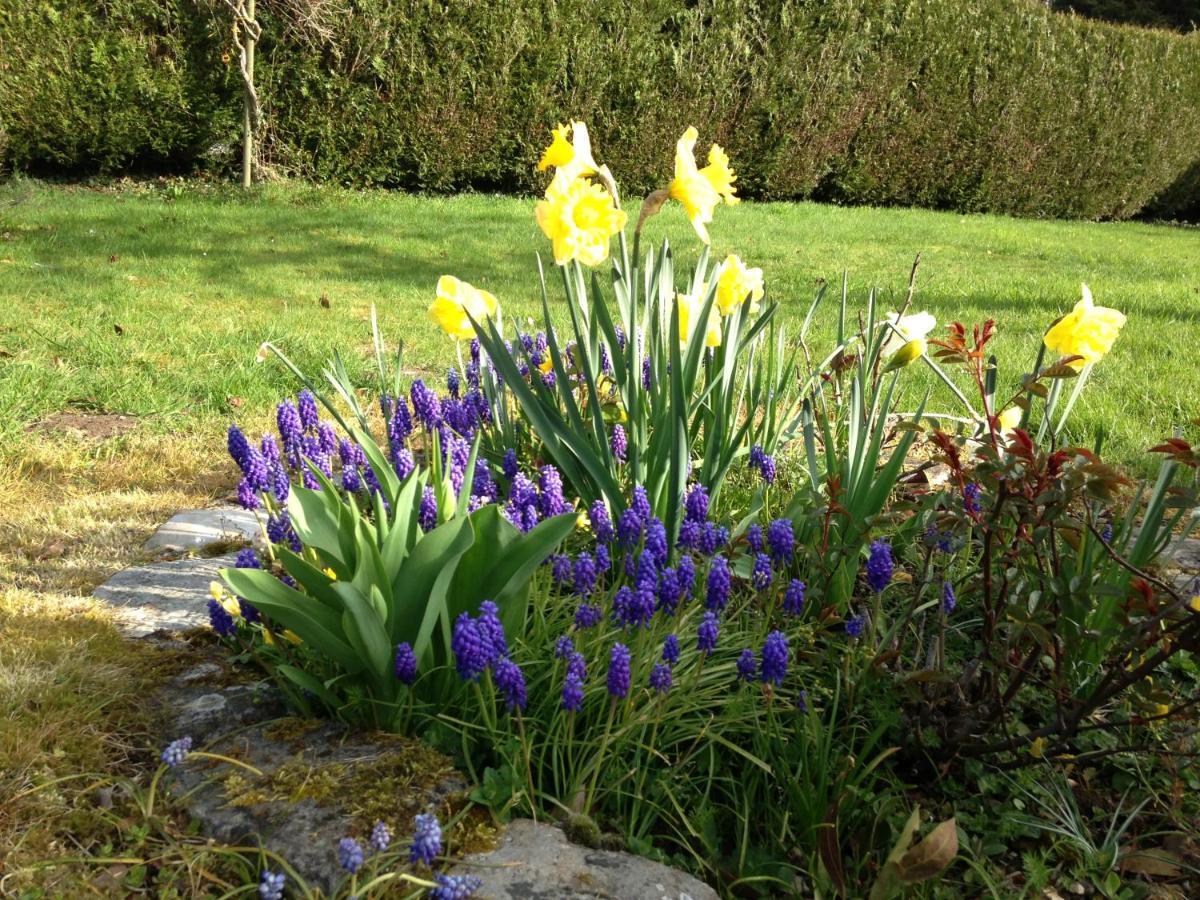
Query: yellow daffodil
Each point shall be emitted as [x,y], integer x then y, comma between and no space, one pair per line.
[573,158]
[701,190]
[1161,709]
[1009,418]
[737,282]
[915,327]
[228,602]
[1194,604]
[690,308]
[1087,331]
[906,355]
[455,299]
[330,574]
[579,217]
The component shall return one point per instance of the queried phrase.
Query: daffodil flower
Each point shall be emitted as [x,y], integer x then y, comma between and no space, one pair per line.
[455,299]
[737,282]
[908,353]
[571,158]
[579,217]
[904,329]
[1088,331]
[701,190]
[690,307]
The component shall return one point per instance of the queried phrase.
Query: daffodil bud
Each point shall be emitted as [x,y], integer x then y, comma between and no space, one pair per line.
[907,354]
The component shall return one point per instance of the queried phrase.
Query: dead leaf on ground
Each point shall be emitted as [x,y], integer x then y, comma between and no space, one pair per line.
[324,300]
[235,402]
[114,258]
[52,550]
[1155,863]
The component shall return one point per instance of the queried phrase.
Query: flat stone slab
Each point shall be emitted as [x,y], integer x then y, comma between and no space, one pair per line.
[195,529]
[535,861]
[165,596]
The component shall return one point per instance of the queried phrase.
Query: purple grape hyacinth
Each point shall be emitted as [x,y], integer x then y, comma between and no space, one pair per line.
[949,601]
[602,525]
[670,651]
[720,581]
[793,597]
[270,885]
[971,498]
[618,671]
[550,498]
[510,682]
[472,651]
[619,443]
[406,663]
[426,406]
[760,577]
[350,854]
[588,615]
[696,504]
[427,513]
[572,693]
[584,576]
[381,837]
[454,887]
[855,625]
[781,540]
[880,566]
[309,414]
[220,619]
[708,632]
[747,666]
[492,630]
[177,751]
[660,678]
[427,839]
[775,658]
[656,541]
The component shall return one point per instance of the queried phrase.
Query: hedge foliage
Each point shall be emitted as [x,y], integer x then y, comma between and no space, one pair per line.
[972,104]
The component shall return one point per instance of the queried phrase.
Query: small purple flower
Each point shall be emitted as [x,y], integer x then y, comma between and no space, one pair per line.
[601,521]
[708,632]
[781,540]
[854,626]
[309,414]
[403,463]
[619,442]
[472,651]
[238,446]
[669,592]
[381,837]
[454,887]
[646,379]
[492,630]
[640,503]
[269,450]
[577,666]
[793,597]
[510,682]
[426,840]
[720,582]
[584,576]
[247,496]
[949,601]
[427,514]
[696,504]
[588,615]
[453,382]
[290,428]
[690,534]
[426,406]
[629,526]
[1107,534]
[761,576]
[564,647]
[603,562]
[270,885]
[247,559]
[712,539]
[670,651]
[176,752]
[802,702]
[350,854]
[775,658]
[572,693]
[971,498]
[406,663]
[660,678]
[747,666]
[248,610]
[618,671]
[560,568]
[646,577]
[522,508]
[686,574]
[550,499]
[509,465]
[656,541]
[880,566]
[754,537]
[220,619]
[327,438]
[764,463]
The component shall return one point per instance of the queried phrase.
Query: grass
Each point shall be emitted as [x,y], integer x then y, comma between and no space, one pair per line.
[152,299]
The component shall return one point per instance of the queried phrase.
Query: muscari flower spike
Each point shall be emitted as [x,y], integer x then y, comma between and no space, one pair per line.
[793,597]
[564,647]
[588,615]
[720,582]
[656,541]
[602,525]
[880,566]
[754,537]
[426,840]
[381,837]
[696,504]
[427,513]
[619,443]
[220,619]
[492,629]
[760,577]
[350,854]
[406,663]
[670,651]
[270,885]
[572,693]
[781,540]
[618,671]
[510,682]
[775,658]
[584,576]
[708,632]
[949,601]
[971,498]
[176,752]
[747,665]
[309,414]
[855,625]
[454,887]
[660,678]
[472,652]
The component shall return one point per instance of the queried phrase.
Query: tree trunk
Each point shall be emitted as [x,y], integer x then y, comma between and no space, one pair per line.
[247,116]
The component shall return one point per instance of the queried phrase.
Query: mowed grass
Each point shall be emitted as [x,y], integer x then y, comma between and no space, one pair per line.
[153,302]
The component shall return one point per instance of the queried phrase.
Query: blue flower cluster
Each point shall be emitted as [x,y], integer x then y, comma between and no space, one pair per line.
[478,645]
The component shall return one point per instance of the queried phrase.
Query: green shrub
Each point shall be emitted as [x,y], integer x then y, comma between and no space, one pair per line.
[971,104]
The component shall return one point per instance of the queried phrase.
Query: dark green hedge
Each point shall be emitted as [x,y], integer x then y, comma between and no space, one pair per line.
[971,104]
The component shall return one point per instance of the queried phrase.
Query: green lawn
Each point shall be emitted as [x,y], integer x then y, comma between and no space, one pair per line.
[195,278]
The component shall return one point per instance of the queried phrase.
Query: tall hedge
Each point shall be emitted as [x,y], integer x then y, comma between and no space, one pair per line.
[971,104]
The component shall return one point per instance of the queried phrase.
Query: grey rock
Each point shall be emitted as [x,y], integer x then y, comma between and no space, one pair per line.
[195,529]
[166,596]
[535,861]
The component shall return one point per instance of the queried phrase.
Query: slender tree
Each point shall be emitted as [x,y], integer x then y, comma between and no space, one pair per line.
[246,32]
